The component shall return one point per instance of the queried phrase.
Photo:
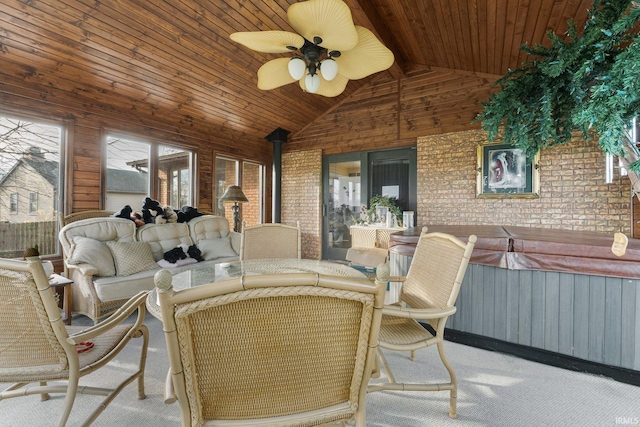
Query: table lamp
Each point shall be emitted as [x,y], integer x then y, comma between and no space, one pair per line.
[234,194]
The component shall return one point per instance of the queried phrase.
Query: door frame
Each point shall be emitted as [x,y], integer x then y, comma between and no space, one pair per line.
[365,158]
[327,251]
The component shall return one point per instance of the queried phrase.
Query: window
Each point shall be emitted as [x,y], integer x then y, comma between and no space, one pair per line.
[31,161]
[229,172]
[252,184]
[13,203]
[33,203]
[137,169]
[226,175]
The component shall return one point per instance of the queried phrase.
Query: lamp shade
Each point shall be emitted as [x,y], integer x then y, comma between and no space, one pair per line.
[328,69]
[234,194]
[297,67]
[312,82]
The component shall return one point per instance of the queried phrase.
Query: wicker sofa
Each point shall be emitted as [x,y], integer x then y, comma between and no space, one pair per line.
[110,260]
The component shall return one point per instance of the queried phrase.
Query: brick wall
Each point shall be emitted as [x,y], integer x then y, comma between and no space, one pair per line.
[301,197]
[573,194]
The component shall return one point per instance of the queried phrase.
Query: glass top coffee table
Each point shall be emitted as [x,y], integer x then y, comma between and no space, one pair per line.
[208,273]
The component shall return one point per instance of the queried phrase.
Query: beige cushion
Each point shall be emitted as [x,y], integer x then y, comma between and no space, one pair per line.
[132,257]
[94,252]
[216,248]
[102,229]
[369,257]
[208,227]
[164,237]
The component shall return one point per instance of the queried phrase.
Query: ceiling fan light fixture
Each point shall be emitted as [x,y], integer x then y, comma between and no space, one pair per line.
[328,69]
[312,82]
[328,48]
[297,67]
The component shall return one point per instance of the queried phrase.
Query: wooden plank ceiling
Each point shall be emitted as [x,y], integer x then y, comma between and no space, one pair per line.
[176,56]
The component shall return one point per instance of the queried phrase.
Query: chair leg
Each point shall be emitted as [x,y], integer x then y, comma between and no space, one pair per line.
[375,371]
[69,398]
[144,331]
[454,381]
[385,366]
[44,396]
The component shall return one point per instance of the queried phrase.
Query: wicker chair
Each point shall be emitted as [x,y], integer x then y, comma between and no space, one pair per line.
[264,241]
[35,346]
[274,349]
[429,293]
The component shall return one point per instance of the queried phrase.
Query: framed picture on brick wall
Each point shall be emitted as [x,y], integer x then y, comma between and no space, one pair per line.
[504,171]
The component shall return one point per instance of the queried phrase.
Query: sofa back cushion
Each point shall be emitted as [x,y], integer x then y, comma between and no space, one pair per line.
[208,227]
[101,229]
[212,235]
[164,237]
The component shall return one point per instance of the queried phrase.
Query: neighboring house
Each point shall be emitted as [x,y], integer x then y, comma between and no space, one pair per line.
[126,187]
[29,189]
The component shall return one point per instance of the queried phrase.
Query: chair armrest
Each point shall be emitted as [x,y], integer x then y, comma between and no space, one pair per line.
[397,278]
[235,239]
[416,313]
[137,302]
[84,269]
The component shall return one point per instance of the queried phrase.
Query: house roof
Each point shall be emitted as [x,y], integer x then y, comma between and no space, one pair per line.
[46,168]
[118,180]
[125,181]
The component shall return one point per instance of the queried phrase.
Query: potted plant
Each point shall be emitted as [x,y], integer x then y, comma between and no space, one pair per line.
[378,201]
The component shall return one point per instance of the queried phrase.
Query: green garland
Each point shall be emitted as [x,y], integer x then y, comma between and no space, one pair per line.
[588,83]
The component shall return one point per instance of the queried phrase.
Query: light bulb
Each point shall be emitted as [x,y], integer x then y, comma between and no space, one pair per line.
[312,82]
[297,67]
[329,69]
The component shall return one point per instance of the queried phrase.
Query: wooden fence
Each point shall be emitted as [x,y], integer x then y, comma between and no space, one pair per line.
[16,237]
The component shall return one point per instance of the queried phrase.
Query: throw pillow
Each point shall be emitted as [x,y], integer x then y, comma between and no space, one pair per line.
[132,257]
[94,252]
[216,248]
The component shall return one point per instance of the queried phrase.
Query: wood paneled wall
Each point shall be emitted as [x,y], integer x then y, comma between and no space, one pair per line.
[393,113]
[88,121]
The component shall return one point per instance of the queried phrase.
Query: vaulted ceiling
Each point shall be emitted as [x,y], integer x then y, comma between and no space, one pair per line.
[176,56]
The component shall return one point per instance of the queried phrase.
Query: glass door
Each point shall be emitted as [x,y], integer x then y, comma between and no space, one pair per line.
[393,173]
[344,188]
[349,181]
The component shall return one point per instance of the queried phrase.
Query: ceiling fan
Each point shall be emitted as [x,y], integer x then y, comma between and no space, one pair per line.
[328,51]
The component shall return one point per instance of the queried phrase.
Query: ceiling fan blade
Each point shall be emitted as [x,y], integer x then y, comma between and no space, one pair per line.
[268,41]
[329,19]
[329,88]
[274,73]
[368,57]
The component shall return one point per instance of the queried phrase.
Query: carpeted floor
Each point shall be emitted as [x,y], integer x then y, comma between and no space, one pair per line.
[494,390]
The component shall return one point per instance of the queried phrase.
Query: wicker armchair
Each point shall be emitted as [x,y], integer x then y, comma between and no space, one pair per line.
[277,349]
[36,347]
[429,293]
[264,241]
